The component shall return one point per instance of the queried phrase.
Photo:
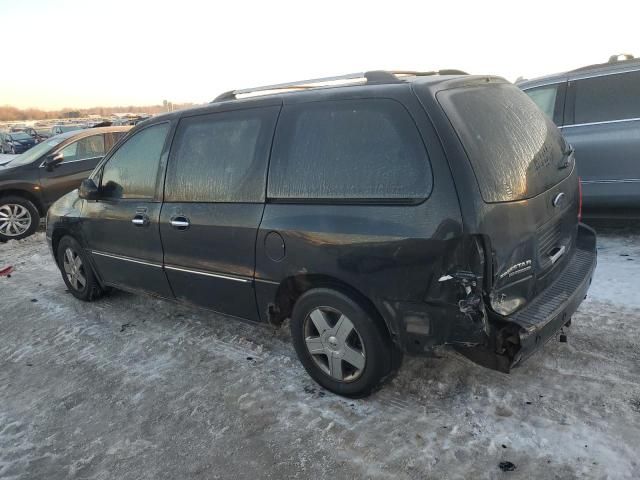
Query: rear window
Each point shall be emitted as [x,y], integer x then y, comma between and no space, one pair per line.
[514,148]
[354,150]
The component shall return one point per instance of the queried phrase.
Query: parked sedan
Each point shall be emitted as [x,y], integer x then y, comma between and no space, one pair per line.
[16,142]
[31,182]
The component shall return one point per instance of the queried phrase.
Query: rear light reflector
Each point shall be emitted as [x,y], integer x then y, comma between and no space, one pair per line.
[579,199]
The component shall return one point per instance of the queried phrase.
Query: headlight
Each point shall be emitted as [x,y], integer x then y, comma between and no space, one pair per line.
[505,304]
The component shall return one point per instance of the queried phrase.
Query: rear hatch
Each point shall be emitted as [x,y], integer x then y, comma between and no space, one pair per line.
[527,180]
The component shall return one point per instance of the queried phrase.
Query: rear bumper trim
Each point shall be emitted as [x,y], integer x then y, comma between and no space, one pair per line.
[543,317]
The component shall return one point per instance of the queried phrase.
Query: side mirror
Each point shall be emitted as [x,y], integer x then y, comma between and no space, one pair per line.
[88,190]
[53,160]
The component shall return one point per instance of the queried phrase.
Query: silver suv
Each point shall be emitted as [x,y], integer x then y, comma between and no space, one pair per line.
[598,110]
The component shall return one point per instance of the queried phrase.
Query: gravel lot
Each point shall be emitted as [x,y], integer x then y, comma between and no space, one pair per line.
[137,388]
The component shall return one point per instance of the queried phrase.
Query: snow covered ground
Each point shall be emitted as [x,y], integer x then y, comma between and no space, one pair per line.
[137,388]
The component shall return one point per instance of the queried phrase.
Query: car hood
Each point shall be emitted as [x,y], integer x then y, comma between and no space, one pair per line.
[7,168]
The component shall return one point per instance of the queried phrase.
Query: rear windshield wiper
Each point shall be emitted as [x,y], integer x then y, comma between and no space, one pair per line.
[566,158]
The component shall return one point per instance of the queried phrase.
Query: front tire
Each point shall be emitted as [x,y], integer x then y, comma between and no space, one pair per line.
[76,270]
[19,218]
[343,346]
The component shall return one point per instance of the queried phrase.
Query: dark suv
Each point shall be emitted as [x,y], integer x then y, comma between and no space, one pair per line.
[598,110]
[30,182]
[382,213]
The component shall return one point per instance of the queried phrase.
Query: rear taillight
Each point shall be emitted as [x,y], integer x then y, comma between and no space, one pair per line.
[579,199]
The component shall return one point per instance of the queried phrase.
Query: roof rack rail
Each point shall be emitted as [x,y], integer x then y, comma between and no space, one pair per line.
[446,71]
[371,78]
[613,60]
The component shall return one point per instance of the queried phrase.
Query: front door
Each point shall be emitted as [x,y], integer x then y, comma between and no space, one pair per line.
[79,159]
[214,200]
[121,227]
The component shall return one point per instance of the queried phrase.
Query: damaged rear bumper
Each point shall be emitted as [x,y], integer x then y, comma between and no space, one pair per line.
[545,315]
[549,311]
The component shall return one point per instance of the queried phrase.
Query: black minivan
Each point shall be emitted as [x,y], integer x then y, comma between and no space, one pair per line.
[381,213]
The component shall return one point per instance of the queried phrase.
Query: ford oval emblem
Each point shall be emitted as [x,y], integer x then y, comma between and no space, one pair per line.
[558,200]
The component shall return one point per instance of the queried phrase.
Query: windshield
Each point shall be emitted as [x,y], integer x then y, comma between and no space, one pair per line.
[34,153]
[20,136]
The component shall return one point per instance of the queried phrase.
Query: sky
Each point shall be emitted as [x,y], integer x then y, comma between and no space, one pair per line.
[84,53]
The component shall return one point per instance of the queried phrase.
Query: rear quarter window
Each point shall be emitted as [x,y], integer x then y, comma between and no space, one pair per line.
[514,148]
[607,97]
[360,150]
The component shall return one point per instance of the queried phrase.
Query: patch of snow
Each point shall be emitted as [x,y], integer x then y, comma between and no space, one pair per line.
[618,269]
[185,392]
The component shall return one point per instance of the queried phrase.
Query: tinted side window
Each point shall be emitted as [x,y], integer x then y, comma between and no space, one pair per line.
[221,157]
[131,171]
[85,148]
[609,97]
[349,149]
[544,98]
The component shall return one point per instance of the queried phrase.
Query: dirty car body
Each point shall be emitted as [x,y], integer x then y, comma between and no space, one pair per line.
[464,233]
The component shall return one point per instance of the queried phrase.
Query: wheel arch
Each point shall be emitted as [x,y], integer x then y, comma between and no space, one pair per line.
[61,231]
[17,192]
[56,236]
[293,287]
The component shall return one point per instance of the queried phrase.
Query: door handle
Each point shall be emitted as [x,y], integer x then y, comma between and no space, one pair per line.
[140,220]
[180,223]
[557,253]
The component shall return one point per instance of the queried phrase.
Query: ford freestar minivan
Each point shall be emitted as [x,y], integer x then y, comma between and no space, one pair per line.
[381,212]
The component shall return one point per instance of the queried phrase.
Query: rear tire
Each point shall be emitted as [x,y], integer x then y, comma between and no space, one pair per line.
[343,347]
[19,218]
[76,270]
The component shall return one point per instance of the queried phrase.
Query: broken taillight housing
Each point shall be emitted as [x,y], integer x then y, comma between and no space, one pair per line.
[506,304]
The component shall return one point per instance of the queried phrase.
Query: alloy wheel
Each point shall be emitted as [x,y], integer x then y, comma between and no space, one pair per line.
[14,219]
[335,345]
[74,269]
